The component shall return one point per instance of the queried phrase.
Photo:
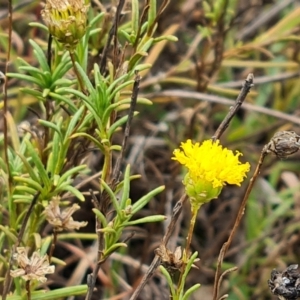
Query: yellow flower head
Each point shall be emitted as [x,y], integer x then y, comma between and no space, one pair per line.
[210,167]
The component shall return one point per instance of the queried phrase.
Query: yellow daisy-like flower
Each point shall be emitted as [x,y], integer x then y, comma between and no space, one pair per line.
[210,167]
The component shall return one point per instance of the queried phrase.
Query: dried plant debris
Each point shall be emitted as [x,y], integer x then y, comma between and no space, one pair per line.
[283,144]
[171,261]
[62,220]
[286,284]
[32,268]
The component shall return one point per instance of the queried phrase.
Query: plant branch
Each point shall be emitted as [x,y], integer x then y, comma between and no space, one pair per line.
[134,96]
[233,110]
[157,260]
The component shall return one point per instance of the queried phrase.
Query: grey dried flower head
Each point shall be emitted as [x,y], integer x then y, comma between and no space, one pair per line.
[286,284]
[62,220]
[66,20]
[35,267]
[283,144]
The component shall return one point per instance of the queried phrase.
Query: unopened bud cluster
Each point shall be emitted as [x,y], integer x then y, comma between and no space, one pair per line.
[66,20]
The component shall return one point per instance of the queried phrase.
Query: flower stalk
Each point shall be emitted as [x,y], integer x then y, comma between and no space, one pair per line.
[210,168]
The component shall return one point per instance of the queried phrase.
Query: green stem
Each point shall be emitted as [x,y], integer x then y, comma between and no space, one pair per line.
[107,165]
[80,82]
[186,253]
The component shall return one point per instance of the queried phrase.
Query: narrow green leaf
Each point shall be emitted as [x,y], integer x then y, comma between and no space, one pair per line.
[170,38]
[112,197]
[97,18]
[151,13]
[38,164]
[135,16]
[126,188]
[25,190]
[23,199]
[40,55]
[86,81]
[63,67]
[28,78]
[75,192]
[32,173]
[39,25]
[191,290]
[149,219]
[91,138]
[119,88]
[61,82]
[117,124]
[169,280]
[188,268]
[95,31]
[100,217]
[145,199]
[134,60]
[73,123]
[56,161]
[58,293]
[142,67]
[126,36]
[8,233]
[32,92]
[64,100]
[32,70]
[70,173]
[113,248]
[53,126]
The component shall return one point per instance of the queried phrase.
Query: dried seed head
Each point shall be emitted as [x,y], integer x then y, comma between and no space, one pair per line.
[171,261]
[286,284]
[62,220]
[66,20]
[35,267]
[283,144]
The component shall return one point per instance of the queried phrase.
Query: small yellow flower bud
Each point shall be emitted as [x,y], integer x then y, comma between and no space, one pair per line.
[66,20]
